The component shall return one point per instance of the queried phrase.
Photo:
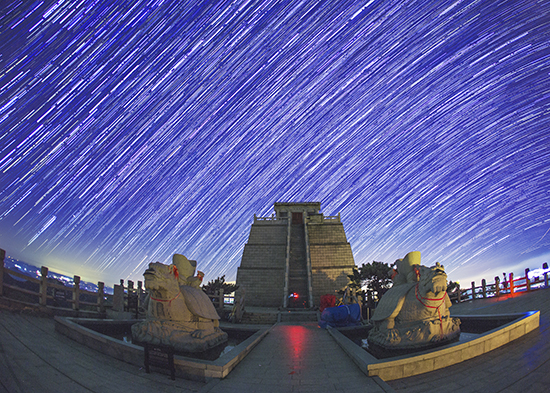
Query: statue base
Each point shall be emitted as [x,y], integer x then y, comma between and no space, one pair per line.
[417,336]
[177,335]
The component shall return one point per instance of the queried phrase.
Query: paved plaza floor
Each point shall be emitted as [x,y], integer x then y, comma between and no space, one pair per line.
[291,358]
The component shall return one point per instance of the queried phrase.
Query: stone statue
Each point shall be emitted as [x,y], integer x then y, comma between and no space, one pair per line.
[179,315]
[414,313]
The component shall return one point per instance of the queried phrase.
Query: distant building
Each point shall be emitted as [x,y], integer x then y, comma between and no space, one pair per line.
[296,251]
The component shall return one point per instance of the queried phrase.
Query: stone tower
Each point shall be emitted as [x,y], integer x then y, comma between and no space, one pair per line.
[296,251]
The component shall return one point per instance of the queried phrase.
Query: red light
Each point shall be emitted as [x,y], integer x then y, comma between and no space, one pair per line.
[297,337]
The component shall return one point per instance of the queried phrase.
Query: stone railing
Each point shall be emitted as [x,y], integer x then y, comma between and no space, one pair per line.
[332,218]
[127,298]
[47,292]
[270,218]
[321,219]
[507,287]
[44,292]
[316,218]
[218,300]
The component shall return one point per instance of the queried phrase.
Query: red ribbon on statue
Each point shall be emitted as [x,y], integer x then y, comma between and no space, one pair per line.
[175,271]
[442,299]
[166,300]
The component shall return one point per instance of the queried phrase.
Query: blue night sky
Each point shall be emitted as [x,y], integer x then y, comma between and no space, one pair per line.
[134,130]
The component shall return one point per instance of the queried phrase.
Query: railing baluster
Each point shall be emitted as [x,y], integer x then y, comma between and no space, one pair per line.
[76,293]
[43,285]
[100,297]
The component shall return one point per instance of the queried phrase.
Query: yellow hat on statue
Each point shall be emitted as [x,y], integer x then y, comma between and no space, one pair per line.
[186,268]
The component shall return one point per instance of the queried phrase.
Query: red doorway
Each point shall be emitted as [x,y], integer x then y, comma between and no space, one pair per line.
[297,218]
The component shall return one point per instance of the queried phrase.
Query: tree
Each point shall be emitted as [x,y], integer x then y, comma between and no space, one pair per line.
[452,287]
[452,290]
[219,283]
[375,276]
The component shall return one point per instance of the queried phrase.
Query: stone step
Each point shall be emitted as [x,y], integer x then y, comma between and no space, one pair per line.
[298,287]
[299,316]
[254,318]
[297,283]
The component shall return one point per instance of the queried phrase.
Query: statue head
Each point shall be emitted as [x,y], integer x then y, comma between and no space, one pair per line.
[432,279]
[161,278]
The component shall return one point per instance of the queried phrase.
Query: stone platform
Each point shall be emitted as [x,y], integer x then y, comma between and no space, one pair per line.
[522,365]
[293,357]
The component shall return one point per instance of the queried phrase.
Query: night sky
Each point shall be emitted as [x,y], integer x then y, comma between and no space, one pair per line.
[134,130]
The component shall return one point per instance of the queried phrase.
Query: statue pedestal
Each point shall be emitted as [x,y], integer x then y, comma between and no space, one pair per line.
[177,336]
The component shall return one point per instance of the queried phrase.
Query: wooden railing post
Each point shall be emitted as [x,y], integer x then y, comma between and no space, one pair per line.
[473,290]
[76,293]
[2,257]
[545,267]
[527,282]
[484,288]
[497,286]
[511,282]
[139,292]
[100,297]
[221,302]
[129,296]
[43,285]
[118,298]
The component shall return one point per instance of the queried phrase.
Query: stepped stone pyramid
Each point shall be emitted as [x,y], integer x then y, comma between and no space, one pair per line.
[296,251]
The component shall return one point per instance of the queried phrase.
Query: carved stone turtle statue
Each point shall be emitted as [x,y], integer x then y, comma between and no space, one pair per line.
[414,314]
[182,317]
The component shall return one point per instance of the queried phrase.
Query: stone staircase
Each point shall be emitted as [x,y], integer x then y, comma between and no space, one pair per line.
[297,276]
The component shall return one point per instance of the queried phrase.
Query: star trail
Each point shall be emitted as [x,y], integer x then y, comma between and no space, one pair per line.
[134,130]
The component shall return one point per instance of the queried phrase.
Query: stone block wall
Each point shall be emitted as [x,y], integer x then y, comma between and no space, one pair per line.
[331,258]
[262,270]
[269,232]
[262,287]
[327,233]
[325,256]
[327,281]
